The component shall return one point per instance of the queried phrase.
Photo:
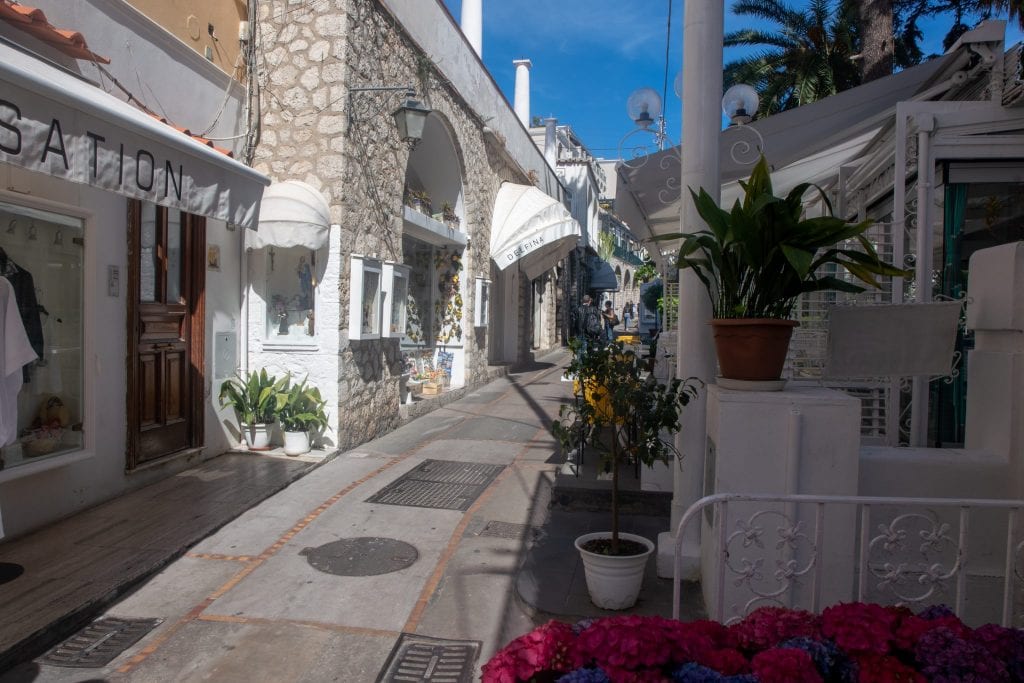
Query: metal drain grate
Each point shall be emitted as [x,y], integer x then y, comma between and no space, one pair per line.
[439,484]
[495,529]
[99,643]
[430,660]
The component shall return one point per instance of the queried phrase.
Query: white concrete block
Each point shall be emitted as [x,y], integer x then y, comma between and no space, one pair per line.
[996,276]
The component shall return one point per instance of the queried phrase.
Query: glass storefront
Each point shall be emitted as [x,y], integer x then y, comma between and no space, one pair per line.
[41,256]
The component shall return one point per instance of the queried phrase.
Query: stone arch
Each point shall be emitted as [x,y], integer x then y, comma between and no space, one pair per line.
[626,279]
[436,166]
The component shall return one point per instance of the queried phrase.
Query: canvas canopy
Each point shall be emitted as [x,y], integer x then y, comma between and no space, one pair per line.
[531,229]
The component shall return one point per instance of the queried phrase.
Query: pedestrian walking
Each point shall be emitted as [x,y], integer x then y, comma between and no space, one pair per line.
[589,329]
[627,315]
[610,320]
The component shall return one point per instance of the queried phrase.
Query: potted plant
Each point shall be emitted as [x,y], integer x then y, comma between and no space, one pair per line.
[449,217]
[300,409]
[624,414]
[418,200]
[756,259]
[254,399]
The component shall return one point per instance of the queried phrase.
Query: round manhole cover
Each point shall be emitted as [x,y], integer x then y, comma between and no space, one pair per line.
[366,556]
[10,571]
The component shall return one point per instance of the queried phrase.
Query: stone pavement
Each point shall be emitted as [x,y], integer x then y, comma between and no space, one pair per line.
[247,604]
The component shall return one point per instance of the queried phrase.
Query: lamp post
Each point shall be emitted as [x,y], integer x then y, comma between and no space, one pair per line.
[644,107]
[410,117]
[739,104]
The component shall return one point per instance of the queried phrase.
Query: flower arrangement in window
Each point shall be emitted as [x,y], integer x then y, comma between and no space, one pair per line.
[448,307]
[847,642]
[413,324]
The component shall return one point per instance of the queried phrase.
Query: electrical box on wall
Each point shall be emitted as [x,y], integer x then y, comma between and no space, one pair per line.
[366,298]
[396,297]
[482,309]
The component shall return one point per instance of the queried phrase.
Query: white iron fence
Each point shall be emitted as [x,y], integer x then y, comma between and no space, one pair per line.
[806,552]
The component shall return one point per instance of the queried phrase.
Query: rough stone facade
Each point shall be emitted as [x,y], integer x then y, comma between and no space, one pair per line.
[347,146]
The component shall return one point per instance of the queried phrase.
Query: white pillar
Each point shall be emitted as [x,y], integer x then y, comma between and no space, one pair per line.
[550,143]
[923,267]
[472,23]
[703,31]
[521,101]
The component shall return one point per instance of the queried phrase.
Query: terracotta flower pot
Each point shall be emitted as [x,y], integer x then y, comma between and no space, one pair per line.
[752,349]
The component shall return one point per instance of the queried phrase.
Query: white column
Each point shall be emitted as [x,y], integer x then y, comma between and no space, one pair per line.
[521,102]
[703,30]
[472,23]
[923,266]
[550,143]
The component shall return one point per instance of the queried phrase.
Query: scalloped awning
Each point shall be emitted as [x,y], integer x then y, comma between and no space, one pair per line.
[530,228]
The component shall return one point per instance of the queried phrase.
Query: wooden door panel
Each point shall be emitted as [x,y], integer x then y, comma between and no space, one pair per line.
[175,381]
[148,389]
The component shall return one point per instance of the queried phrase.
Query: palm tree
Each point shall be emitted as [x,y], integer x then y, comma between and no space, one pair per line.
[807,58]
[876,23]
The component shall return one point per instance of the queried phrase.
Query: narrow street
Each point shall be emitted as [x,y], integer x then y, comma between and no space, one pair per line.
[246,603]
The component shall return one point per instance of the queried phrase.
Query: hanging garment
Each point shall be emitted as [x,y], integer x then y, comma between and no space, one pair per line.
[25,298]
[15,353]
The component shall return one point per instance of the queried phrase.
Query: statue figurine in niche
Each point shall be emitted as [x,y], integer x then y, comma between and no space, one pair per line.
[305,273]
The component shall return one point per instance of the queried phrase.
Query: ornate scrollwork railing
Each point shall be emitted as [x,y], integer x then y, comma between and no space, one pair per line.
[905,551]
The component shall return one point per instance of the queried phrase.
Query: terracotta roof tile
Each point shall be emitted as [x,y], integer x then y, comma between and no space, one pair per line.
[197,138]
[33,21]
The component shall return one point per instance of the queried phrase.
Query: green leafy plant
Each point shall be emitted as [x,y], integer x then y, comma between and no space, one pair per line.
[300,407]
[645,272]
[621,412]
[254,398]
[757,258]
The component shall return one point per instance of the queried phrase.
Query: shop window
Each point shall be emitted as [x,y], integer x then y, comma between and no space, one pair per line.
[396,298]
[483,302]
[41,259]
[291,295]
[365,298]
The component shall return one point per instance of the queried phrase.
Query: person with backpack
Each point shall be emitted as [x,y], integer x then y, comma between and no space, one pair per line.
[588,318]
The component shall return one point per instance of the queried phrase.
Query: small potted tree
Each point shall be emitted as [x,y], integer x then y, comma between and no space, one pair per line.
[254,399]
[300,409]
[419,200]
[625,414]
[449,217]
[756,259]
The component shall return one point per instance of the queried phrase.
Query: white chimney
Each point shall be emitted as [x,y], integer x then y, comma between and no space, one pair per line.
[472,23]
[522,96]
[550,144]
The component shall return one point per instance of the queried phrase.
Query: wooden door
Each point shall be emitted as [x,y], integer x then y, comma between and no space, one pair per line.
[165,332]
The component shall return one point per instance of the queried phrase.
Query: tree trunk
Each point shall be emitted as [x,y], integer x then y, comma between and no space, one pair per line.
[876,39]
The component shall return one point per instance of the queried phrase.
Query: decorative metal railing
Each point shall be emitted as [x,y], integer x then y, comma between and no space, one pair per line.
[907,551]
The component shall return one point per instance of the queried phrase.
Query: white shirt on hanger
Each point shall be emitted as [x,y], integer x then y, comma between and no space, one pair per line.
[15,352]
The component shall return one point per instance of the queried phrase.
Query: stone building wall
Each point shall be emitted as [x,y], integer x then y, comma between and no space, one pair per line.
[313,54]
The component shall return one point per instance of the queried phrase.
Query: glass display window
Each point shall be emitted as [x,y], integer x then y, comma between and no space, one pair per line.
[365,298]
[396,298]
[41,261]
[482,311]
[291,295]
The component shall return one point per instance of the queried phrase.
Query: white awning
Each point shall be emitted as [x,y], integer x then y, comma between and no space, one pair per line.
[531,227]
[56,123]
[292,214]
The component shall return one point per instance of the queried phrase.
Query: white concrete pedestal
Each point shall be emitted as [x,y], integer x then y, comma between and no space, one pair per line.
[802,440]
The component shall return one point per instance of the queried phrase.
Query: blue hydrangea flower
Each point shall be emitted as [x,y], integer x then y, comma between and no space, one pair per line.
[585,676]
[830,661]
[935,612]
[695,673]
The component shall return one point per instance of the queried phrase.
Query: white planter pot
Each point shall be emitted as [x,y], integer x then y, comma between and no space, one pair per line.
[614,582]
[257,436]
[296,443]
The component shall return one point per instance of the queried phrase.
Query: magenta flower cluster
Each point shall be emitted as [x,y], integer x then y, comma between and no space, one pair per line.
[847,643]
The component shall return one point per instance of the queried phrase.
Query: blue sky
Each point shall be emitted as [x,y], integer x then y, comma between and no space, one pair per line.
[589,55]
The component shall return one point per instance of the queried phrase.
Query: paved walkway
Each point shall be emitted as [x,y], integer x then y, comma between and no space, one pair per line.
[246,604]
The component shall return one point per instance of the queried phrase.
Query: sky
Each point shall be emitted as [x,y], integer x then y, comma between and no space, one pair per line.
[589,55]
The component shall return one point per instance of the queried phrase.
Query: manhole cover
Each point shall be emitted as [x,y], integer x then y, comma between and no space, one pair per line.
[10,571]
[496,529]
[430,660]
[439,484]
[366,556]
[99,643]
